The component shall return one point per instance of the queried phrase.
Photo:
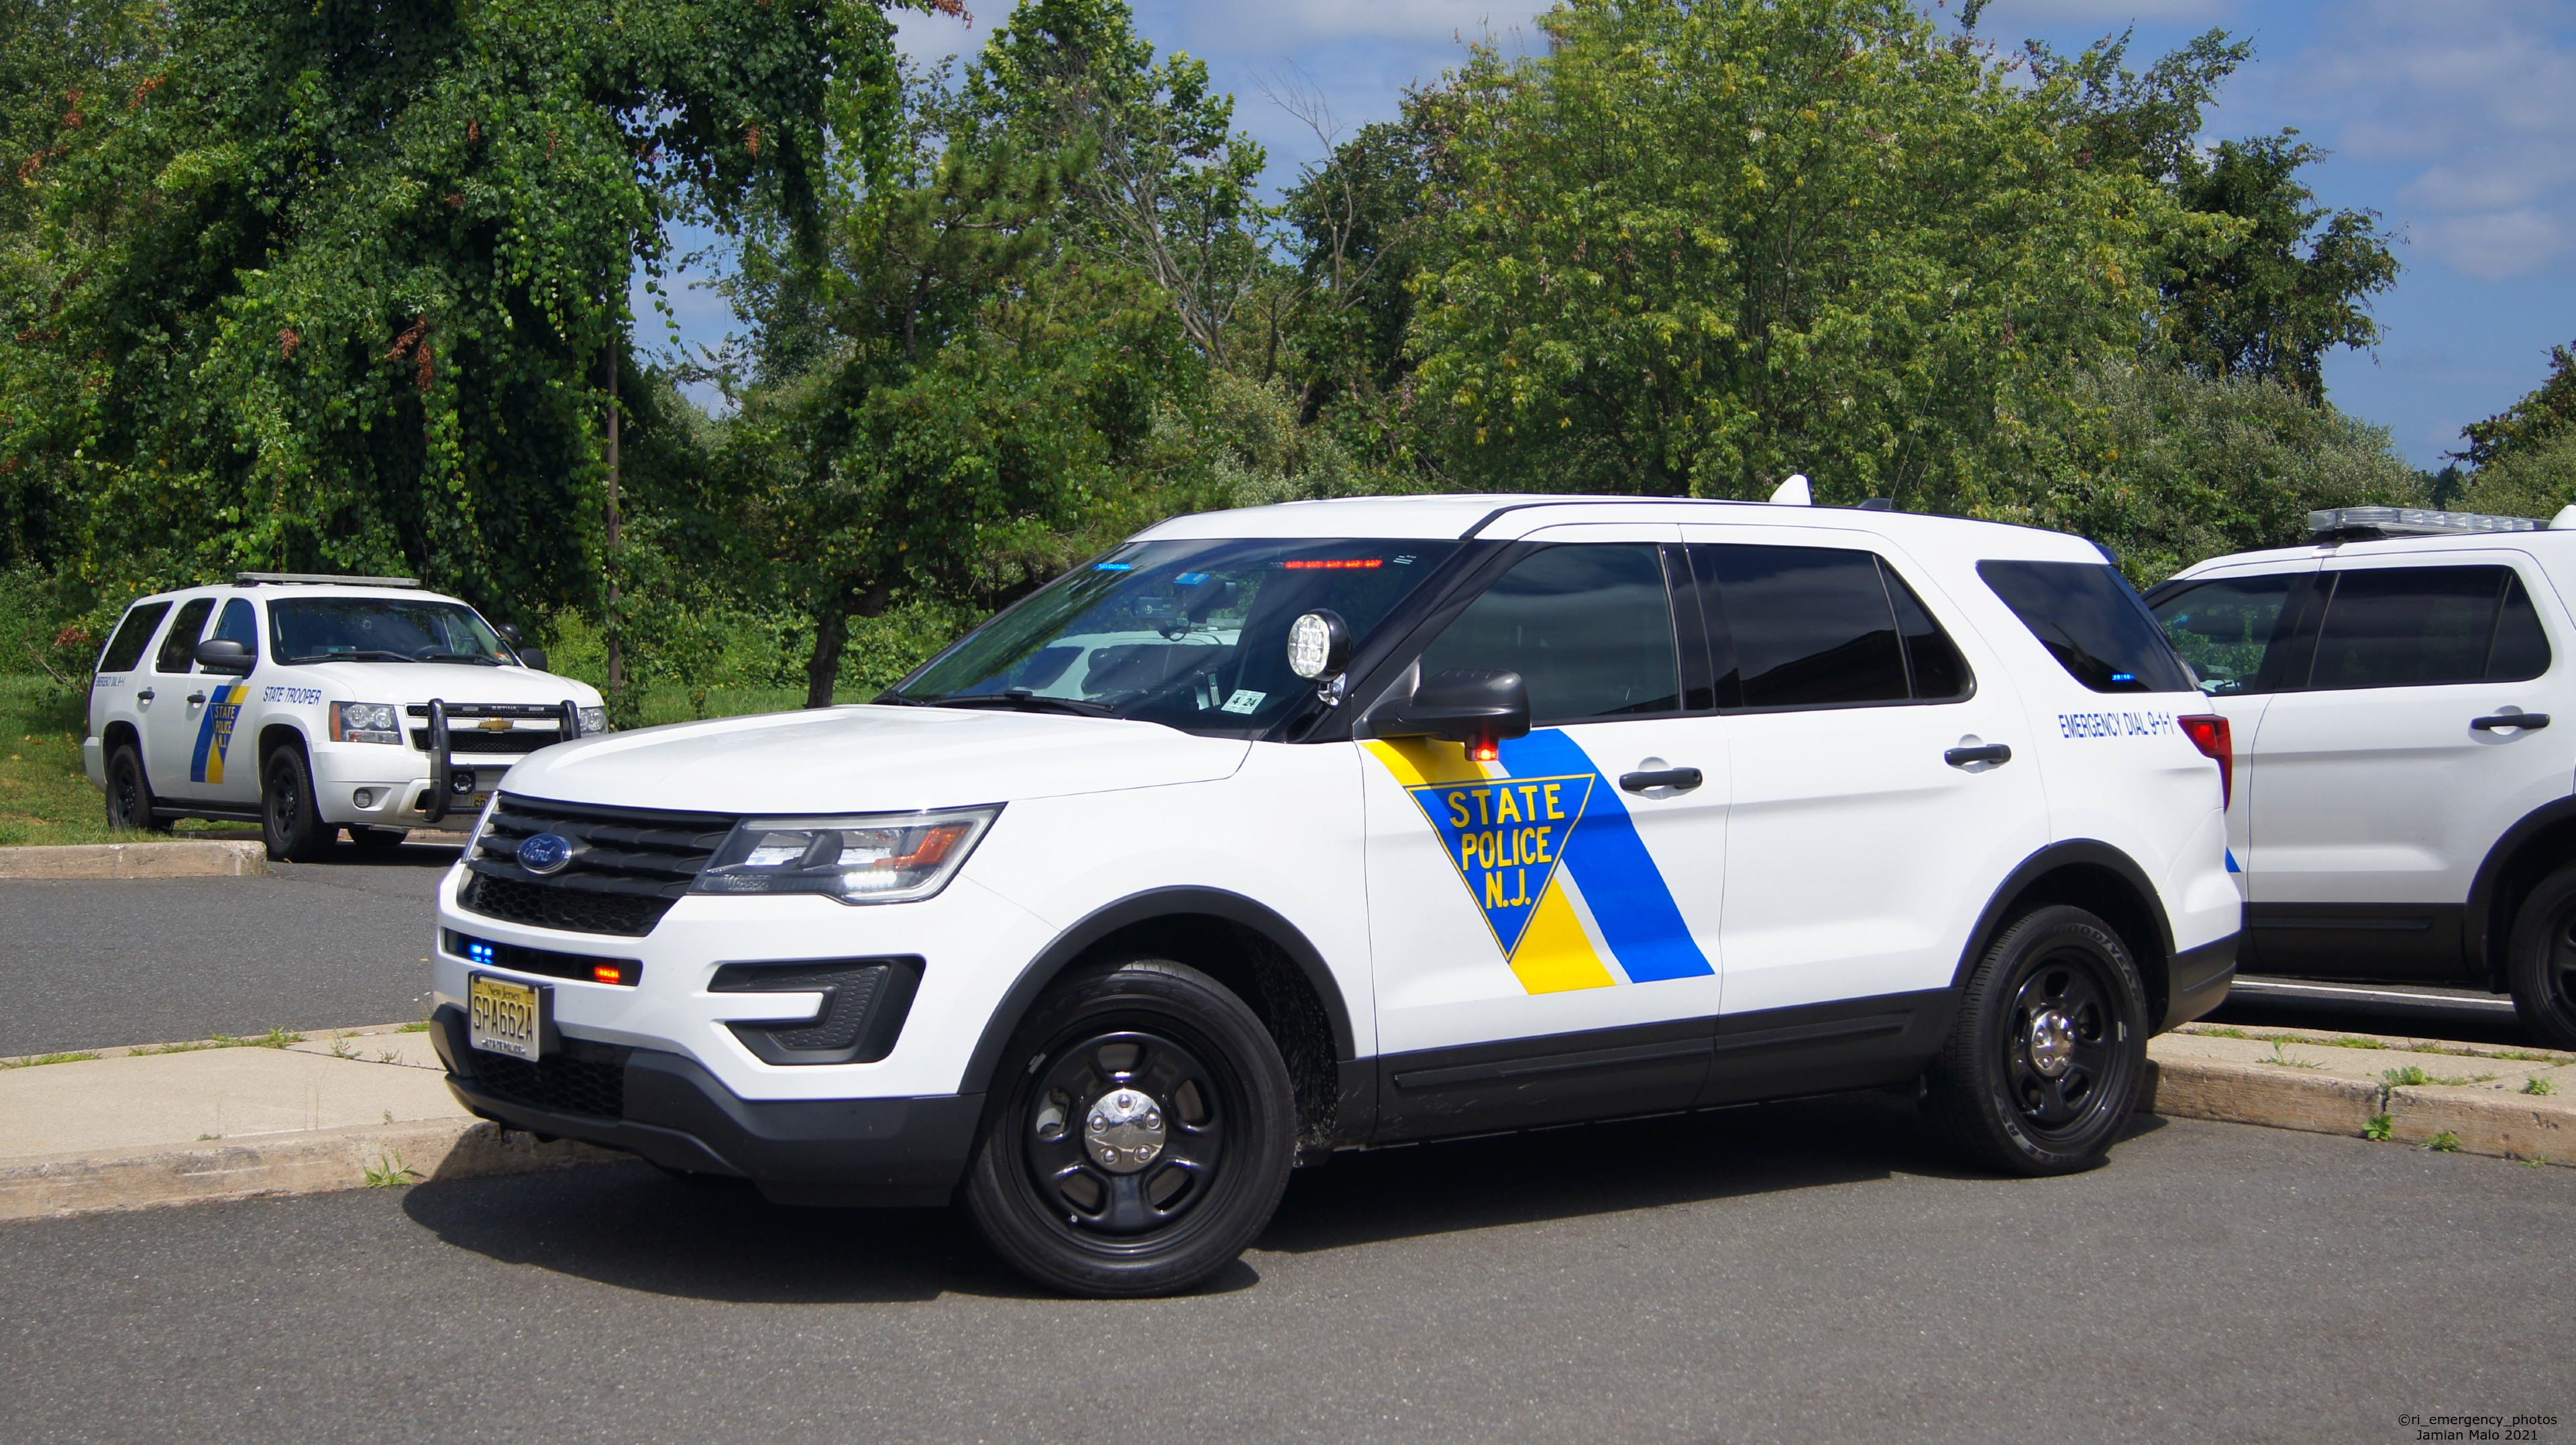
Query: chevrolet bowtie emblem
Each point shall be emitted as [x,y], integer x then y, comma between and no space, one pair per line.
[494,725]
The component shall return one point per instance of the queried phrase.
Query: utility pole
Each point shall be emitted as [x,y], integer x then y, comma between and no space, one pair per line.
[616,645]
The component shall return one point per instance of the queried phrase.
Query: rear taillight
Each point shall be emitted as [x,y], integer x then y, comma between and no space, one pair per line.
[2211,734]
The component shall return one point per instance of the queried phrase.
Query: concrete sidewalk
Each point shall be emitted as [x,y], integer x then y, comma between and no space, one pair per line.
[176,1124]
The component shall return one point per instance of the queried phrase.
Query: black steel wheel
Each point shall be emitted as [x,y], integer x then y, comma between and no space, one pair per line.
[129,795]
[2045,1059]
[1144,1138]
[2540,961]
[290,821]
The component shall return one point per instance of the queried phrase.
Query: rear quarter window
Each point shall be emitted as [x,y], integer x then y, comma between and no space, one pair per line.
[132,635]
[2092,621]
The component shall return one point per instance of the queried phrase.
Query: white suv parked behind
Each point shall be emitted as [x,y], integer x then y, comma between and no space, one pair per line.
[310,704]
[1317,826]
[2404,809]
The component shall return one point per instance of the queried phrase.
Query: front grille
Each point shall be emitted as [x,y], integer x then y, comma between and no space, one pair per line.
[628,867]
[864,1003]
[517,741]
[557,1083]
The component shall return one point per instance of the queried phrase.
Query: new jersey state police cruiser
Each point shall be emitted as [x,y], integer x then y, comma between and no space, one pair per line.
[1312,827]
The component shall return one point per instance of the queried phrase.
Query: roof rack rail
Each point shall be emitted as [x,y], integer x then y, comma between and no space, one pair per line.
[2354,524]
[253,579]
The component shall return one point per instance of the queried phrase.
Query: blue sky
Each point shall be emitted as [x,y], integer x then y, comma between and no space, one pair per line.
[2454,119]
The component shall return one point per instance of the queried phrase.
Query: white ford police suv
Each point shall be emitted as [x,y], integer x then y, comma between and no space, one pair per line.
[1281,831]
[316,703]
[2403,808]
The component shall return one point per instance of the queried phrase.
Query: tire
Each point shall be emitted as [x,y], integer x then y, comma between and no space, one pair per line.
[2056,990]
[378,840]
[2540,960]
[289,818]
[129,795]
[1198,1153]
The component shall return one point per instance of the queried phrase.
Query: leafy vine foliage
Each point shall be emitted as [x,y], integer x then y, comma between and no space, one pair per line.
[336,286]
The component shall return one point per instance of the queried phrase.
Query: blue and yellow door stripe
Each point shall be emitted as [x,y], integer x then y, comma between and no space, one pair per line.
[1516,829]
[215,733]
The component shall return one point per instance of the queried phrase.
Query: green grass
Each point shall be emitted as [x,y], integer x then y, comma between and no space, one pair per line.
[2411,1076]
[46,798]
[32,1062]
[2445,1142]
[2379,1128]
[2538,1085]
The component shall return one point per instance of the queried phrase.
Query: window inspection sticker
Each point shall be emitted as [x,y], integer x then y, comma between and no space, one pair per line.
[1244,700]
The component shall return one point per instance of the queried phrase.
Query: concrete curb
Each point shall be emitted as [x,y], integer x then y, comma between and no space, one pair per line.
[219,859]
[2502,1126]
[313,1162]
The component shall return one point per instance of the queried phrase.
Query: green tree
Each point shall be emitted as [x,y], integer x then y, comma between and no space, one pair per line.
[2283,281]
[2170,467]
[1169,187]
[950,397]
[1695,248]
[368,266]
[2531,424]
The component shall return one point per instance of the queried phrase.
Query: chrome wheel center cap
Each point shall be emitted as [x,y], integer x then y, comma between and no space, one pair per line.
[1123,1132]
[2052,1043]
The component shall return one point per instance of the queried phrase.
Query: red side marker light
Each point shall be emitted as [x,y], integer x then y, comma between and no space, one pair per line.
[2211,734]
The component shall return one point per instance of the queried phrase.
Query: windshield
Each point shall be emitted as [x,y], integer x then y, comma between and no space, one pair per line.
[1193,635]
[373,629]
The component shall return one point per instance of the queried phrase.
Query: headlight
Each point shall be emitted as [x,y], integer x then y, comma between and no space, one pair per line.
[888,858]
[482,821]
[594,720]
[365,722]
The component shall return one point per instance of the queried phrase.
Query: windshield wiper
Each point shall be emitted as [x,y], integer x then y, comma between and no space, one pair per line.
[457,657]
[363,654]
[1025,701]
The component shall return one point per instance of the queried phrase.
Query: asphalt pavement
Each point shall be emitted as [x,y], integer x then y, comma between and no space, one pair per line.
[94,963]
[1796,1272]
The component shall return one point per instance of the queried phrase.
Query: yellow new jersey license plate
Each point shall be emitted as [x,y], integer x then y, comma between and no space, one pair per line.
[503,1017]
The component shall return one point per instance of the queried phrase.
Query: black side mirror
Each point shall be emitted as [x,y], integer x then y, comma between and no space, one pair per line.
[534,657]
[1473,705]
[222,654]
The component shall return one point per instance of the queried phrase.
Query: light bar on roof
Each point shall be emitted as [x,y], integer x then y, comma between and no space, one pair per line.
[2355,523]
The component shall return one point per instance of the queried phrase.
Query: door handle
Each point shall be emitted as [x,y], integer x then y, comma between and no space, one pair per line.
[1680,779]
[144,696]
[2530,722]
[196,697]
[1990,753]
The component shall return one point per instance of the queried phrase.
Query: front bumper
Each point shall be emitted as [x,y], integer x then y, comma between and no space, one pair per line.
[849,1152]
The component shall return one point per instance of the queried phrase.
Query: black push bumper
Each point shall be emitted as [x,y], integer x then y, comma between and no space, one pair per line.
[670,1110]
[2200,977]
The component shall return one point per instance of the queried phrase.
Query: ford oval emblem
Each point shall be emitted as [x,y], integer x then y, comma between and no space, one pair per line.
[544,853]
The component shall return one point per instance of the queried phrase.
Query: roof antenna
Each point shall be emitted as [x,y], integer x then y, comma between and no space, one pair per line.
[1793,492]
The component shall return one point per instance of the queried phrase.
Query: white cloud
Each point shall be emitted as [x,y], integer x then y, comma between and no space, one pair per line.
[2478,94]
[2498,245]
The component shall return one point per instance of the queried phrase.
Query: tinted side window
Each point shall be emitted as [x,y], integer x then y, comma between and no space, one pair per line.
[179,649]
[126,648]
[238,625]
[2092,621]
[2521,649]
[2225,628]
[1810,627]
[2408,627]
[1940,674]
[1589,628]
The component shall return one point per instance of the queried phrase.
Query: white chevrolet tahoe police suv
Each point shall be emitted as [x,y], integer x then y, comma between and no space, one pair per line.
[312,704]
[1299,828]
[2404,809]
